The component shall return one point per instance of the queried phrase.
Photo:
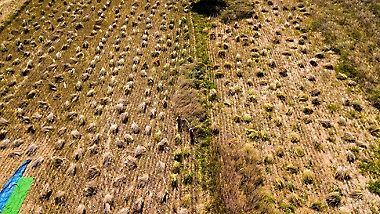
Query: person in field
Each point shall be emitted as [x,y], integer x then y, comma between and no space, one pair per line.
[156,61]
[191,133]
[179,123]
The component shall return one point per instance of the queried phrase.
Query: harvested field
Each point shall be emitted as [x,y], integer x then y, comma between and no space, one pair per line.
[277,90]
[91,92]
[80,84]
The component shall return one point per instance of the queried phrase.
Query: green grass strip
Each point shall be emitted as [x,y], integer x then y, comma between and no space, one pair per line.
[17,198]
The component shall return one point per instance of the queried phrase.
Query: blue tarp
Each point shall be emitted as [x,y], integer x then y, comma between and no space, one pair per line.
[8,188]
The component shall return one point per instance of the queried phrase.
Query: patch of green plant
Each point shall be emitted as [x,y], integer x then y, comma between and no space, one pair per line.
[227,65]
[254,135]
[308,176]
[318,146]
[206,153]
[178,155]
[268,107]
[291,168]
[11,18]
[334,199]
[247,118]
[266,202]
[252,98]
[299,152]
[332,108]
[331,139]
[281,96]
[268,159]
[236,118]
[181,62]
[237,10]
[307,110]
[374,130]
[188,178]
[303,97]
[355,150]
[354,114]
[176,167]
[318,206]
[296,127]
[335,189]
[234,90]
[357,106]
[287,208]
[174,180]
[345,67]
[202,37]
[374,97]
[374,187]
[178,139]
[186,201]
[279,184]
[250,82]
[294,137]
[306,119]
[277,121]
[157,136]
[372,166]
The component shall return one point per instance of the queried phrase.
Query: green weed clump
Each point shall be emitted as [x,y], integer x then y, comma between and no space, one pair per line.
[178,139]
[188,178]
[266,203]
[279,184]
[186,201]
[294,137]
[299,152]
[287,208]
[234,90]
[236,118]
[372,166]
[303,97]
[157,136]
[247,118]
[374,187]
[318,206]
[185,151]
[174,180]
[291,168]
[318,146]
[281,95]
[178,155]
[268,107]
[308,176]
[256,135]
[176,167]
[277,121]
